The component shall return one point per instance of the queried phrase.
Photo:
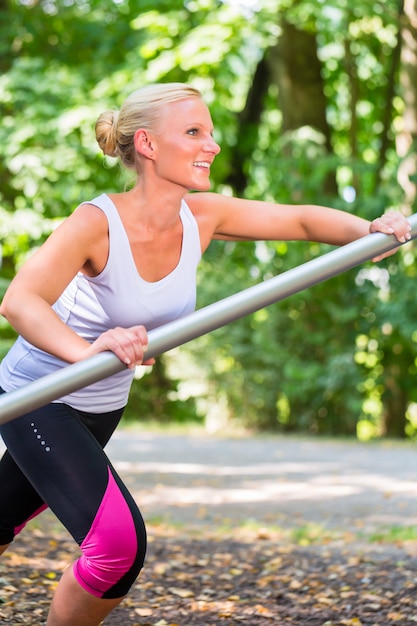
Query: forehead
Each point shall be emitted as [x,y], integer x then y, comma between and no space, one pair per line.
[185,112]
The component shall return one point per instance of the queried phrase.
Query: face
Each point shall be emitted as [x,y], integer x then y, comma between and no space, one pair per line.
[184,145]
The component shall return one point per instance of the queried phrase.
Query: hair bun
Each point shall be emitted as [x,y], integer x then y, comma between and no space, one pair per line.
[106,129]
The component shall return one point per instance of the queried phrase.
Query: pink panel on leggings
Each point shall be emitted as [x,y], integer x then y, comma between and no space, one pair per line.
[18,529]
[109,549]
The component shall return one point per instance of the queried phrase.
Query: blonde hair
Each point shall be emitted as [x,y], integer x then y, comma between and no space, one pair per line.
[115,130]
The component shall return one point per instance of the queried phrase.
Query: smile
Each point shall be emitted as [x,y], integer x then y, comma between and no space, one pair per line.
[202,164]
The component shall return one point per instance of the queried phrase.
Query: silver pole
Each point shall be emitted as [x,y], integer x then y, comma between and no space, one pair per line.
[202,321]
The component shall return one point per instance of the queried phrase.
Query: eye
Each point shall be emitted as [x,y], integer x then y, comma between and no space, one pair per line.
[192,131]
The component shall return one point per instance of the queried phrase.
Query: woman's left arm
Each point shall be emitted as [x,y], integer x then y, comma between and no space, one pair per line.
[224,217]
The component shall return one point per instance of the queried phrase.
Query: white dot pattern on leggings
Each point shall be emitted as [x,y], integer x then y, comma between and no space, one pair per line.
[39,437]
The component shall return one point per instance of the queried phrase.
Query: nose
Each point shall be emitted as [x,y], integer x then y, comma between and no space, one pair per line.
[212,146]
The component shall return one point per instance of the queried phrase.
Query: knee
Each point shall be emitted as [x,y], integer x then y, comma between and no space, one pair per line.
[114,550]
[110,573]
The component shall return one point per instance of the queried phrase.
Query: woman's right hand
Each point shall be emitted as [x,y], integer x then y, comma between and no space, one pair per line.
[128,344]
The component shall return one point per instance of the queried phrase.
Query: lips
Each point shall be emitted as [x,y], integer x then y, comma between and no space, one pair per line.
[204,164]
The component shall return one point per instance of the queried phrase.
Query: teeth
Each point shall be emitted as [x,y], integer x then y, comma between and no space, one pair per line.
[201,164]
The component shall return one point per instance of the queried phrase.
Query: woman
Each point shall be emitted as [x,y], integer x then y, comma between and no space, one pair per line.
[120,265]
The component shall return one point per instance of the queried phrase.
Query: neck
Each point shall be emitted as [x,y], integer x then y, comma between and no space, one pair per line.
[155,210]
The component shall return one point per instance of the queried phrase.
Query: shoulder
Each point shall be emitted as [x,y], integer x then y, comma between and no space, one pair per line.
[89,219]
[206,209]
[211,208]
[203,202]
[82,237]
[86,222]
[92,226]
[223,216]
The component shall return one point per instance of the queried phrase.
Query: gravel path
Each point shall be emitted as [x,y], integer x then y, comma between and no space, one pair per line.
[195,576]
[288,482]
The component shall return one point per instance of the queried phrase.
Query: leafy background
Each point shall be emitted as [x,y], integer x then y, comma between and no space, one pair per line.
[312,102]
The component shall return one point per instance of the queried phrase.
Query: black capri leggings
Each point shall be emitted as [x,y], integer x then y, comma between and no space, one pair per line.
[55,459]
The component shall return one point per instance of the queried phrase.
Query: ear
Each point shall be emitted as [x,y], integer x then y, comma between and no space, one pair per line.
[144,143]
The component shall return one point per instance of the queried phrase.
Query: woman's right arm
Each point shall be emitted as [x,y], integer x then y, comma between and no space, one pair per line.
[79,243]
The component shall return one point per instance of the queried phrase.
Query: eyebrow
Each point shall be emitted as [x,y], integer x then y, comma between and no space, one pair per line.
[200,124]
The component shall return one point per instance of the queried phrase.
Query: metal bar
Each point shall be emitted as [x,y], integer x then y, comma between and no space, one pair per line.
[202,321]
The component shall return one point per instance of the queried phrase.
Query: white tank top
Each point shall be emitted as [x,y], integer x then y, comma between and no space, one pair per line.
[118,296]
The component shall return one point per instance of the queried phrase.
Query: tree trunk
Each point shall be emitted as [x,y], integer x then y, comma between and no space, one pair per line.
[387,115]
[396,366]
[249,120]
[395,401]
[295,68]
[407,139]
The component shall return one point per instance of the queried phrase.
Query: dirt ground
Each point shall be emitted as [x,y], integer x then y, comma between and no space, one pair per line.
[252,531]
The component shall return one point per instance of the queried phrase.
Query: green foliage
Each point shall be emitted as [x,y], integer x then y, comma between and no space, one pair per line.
[155,396]
[316,362]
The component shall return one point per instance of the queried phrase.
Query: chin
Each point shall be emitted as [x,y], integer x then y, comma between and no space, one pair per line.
[203,186]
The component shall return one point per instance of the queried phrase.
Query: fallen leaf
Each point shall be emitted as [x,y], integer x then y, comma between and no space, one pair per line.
[182,593]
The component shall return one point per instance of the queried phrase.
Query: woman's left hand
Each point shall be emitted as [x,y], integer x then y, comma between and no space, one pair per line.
[391,223]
